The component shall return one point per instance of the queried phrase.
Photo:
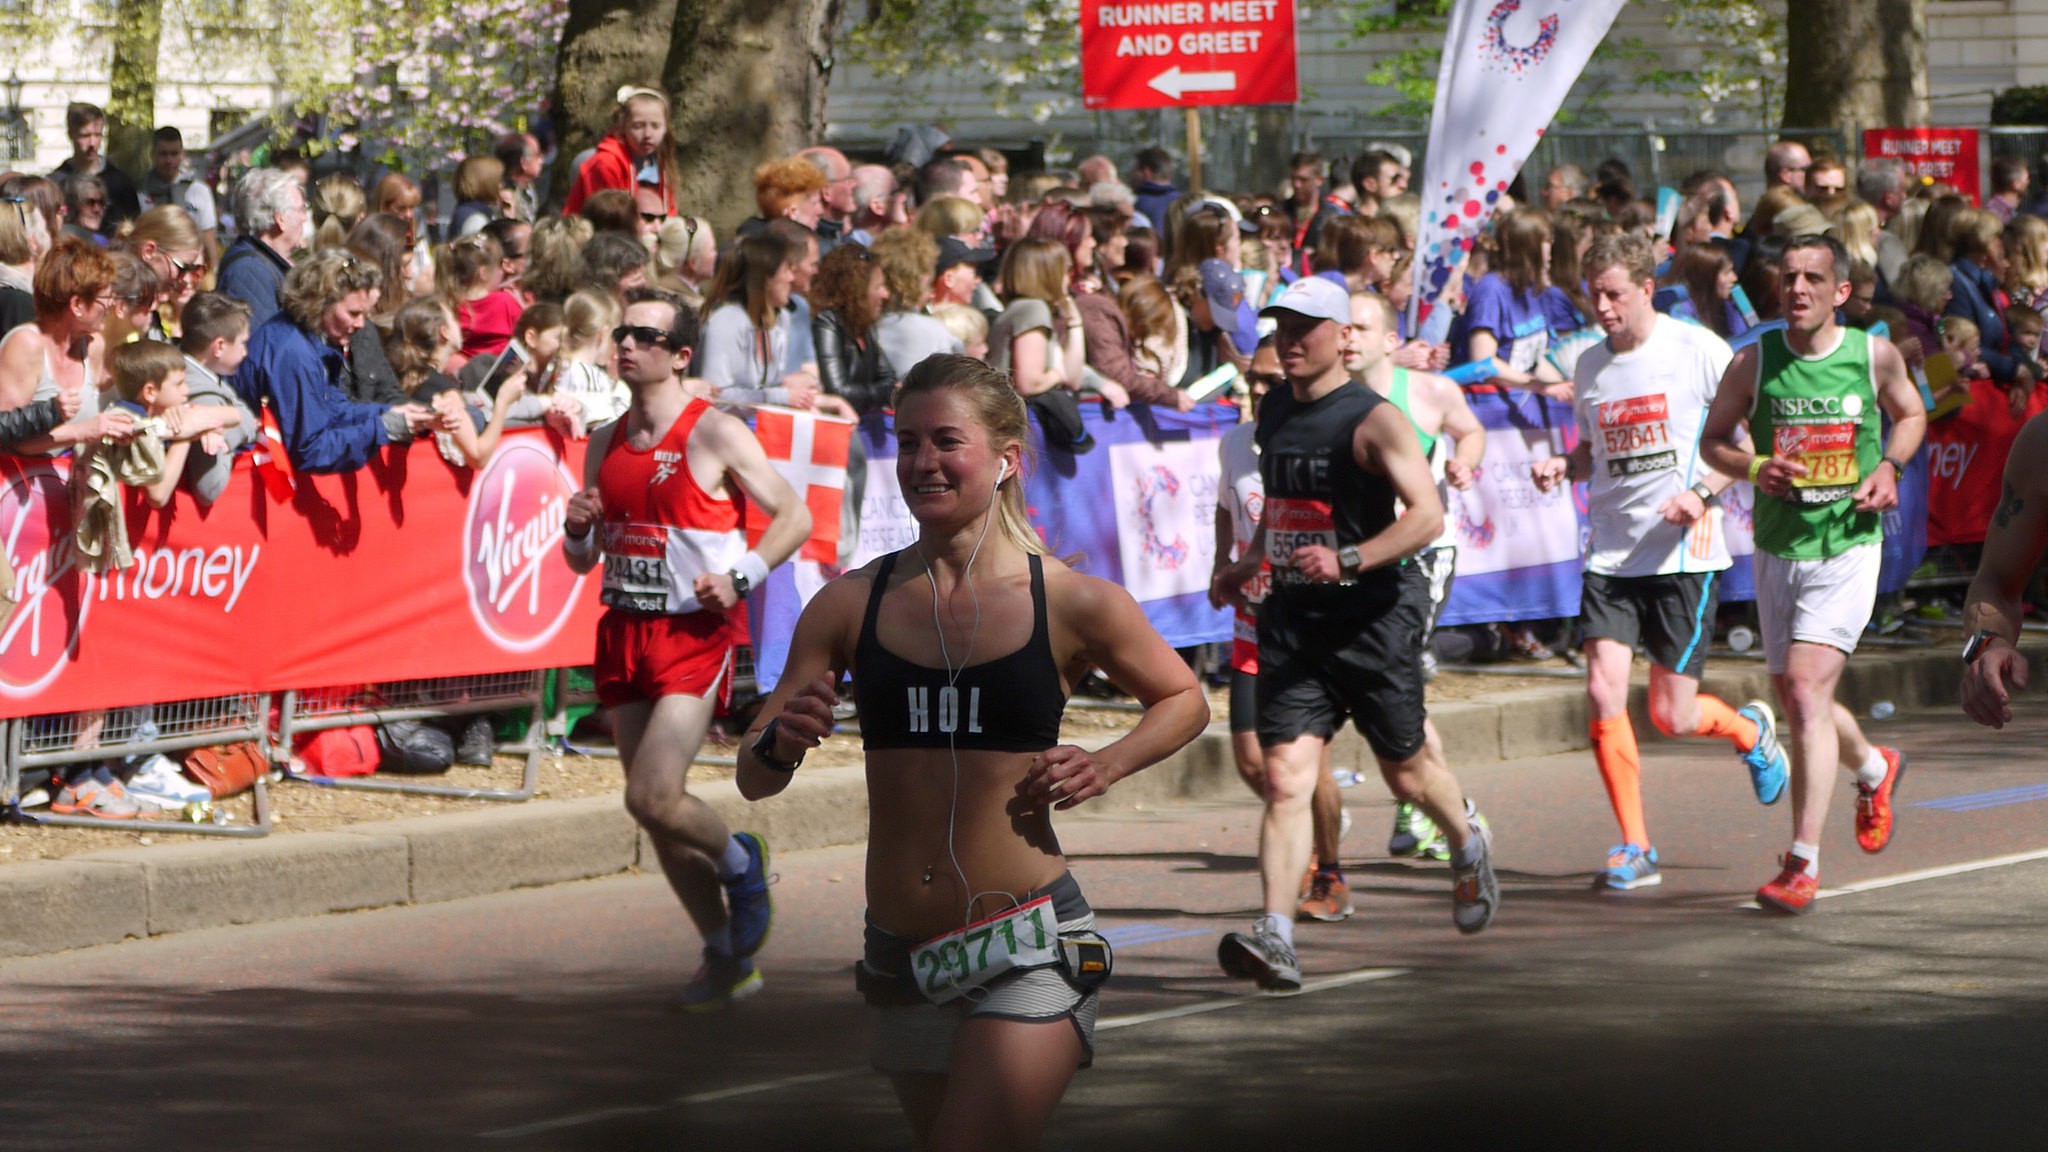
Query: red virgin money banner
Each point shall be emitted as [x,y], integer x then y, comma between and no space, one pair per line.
[406,569]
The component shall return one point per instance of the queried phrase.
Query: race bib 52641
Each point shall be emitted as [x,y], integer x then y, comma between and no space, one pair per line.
[1635,435]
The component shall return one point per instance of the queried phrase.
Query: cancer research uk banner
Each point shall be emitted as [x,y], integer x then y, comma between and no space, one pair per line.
[1138,510]
[407,568]
[1519,550]
[1507,65]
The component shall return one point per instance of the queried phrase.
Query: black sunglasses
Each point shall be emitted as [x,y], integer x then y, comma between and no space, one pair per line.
[642,335]
[654,217]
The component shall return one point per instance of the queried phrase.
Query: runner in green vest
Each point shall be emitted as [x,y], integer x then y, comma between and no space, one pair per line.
[1811,394]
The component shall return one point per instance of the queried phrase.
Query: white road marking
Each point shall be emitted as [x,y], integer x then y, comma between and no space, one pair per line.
[1923,874]
[1217,1004]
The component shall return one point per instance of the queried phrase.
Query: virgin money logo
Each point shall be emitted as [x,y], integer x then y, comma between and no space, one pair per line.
[521,590]
[35,528]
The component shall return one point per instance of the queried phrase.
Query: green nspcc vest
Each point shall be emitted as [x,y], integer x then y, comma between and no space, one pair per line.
[1821,413]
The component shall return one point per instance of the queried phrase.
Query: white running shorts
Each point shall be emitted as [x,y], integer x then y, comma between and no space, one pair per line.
[1824,602]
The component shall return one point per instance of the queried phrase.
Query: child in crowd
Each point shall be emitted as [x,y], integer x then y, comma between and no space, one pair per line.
[470,275]
[2025,325]
[424,338]
[149,378]
[1964,344]
[214,336]
[967,325]
[580,366]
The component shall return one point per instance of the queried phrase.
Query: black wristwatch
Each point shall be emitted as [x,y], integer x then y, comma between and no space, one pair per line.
[740,583]
[764,749]
[1974,646]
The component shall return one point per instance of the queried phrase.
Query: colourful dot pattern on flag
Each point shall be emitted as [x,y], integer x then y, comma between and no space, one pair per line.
[1517,58]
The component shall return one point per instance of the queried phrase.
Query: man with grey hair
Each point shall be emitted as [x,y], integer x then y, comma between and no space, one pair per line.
[270,212]
[837,218]
[1566,183]
[1881,183]
[877,203]
[1096,169]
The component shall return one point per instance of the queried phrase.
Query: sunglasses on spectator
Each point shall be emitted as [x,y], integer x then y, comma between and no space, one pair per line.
[92,203]
[654,217]
[642,335]
[181,268]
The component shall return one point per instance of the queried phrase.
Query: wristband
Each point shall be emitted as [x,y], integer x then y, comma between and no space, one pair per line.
[582,545]
[753,568]
[1898,469]
[1756,465]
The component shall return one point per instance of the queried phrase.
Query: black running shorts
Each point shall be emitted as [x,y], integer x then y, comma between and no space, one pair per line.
[1315,671]
[1672,616]
[1244,702]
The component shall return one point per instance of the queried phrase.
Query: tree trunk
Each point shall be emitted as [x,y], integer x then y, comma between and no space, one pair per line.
[131,107]
[606,44]
[1855,64]
[747,79]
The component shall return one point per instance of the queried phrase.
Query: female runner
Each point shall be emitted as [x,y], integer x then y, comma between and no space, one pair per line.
[963,649]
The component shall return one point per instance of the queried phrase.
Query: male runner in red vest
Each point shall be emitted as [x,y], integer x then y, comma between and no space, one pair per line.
[659,509]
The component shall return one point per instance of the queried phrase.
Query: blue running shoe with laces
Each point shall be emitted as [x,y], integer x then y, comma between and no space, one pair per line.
[747,901]
[1630,866]
[1765,760]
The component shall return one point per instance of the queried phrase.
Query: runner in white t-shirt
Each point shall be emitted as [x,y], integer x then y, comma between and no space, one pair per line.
[1657,550]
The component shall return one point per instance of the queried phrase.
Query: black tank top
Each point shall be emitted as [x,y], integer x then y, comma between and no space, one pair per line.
[1317,494]
[1010,704]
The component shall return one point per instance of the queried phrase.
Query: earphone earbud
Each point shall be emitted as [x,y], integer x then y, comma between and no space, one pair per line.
[1002,471]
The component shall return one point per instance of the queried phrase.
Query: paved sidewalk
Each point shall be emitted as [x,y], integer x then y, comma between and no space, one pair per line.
[105,897]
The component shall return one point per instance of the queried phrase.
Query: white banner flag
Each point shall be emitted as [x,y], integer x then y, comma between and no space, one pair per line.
[1506,69]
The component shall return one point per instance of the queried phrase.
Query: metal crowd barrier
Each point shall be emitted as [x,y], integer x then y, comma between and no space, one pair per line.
[312,710]
[101,734]
[743,684]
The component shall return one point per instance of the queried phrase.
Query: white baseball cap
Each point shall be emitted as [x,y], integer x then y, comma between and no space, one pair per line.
[1315,296]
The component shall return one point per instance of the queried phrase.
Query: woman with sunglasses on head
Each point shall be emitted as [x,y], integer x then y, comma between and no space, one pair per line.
[639,149]
[23,241]
[963,650]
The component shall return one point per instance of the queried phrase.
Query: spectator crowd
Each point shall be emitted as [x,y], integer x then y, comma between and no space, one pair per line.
[153,322]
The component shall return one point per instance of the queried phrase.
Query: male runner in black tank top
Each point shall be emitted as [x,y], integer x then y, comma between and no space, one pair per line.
[1340,632]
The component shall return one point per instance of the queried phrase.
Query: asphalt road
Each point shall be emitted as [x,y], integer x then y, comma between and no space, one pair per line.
[1909,1010]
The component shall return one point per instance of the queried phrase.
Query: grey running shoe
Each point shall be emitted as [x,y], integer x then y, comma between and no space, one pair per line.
[722,980]
[1262,956]
[1475,893]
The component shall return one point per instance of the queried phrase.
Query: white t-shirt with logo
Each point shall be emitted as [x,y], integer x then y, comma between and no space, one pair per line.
[1642,411]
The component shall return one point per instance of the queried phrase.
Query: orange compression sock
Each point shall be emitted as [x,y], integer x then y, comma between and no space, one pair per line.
[1718,719]
[1621,769]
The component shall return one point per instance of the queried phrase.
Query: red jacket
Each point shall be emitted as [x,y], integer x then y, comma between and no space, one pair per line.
[611,166]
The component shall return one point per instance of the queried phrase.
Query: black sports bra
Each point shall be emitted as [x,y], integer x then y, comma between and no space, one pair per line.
[1010,704]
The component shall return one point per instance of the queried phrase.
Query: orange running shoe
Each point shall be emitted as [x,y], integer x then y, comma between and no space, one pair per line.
[1874,805]
[1794,889]
[1328,899]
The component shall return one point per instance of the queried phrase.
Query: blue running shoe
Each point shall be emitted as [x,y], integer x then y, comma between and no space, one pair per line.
[1765,760]
[746,898]
[1630,866]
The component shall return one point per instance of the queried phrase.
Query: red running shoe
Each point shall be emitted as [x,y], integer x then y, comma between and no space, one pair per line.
[1874,805]
[1793,891]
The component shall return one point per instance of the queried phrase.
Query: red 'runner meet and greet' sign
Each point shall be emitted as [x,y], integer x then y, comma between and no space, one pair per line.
[1951,156]
[1184,53]
[405,569]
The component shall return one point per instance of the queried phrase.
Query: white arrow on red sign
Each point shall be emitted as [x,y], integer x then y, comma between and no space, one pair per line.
[1173,82]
